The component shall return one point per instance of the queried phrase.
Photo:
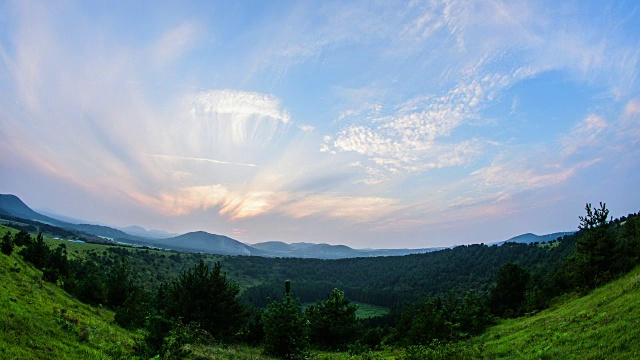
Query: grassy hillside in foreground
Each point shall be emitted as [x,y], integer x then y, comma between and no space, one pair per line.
[604,324]
[38,320]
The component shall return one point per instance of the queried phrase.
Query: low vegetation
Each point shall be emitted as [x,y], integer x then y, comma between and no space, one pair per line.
[558,300]
[604,324]
[40,320]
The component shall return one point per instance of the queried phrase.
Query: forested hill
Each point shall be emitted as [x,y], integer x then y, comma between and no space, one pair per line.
[386,281]
[169,295]
[390,281]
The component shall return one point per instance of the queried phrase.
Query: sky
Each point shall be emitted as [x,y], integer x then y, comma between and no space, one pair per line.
[375,124]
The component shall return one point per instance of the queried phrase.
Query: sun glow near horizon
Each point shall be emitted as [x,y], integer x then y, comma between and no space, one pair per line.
[373,125]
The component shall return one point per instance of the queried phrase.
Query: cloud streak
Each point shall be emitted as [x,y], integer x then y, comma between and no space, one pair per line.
[378,119]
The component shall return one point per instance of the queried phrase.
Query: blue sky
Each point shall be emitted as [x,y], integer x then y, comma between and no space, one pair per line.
[371,124]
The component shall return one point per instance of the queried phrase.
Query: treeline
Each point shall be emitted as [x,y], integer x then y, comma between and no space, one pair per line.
[202,304]
[397,281]
[33,226]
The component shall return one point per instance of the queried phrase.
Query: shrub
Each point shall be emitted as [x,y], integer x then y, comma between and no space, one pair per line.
[286,331]
[7,244]
[205,296]
[332,322]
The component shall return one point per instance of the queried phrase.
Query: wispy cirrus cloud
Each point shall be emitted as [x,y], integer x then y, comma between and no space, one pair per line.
[173,157]
[584,134]
[200,117]
[238,205]
[417,137]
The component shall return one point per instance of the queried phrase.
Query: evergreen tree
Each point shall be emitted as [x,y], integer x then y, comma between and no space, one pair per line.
[332,322]
[207,297]
[595,252]
[22,238]
[507,297]
[119,284]
[57,264]
[7,244]
[36,252]
[286,331]
[133,312]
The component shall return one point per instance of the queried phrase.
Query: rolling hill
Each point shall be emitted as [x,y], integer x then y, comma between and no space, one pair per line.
[13,206]
[203,242]
[530,238]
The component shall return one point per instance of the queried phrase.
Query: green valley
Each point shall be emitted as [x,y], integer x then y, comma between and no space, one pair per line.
[569,298]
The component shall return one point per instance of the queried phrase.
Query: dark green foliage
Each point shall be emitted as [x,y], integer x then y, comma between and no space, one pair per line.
[119,284]
[507,297]
[132,313]
[7,244]
[53,263]
[539,292]
[156,329]
[204,296]
[36,252]
[444,319]
[86,282]
[57,264]
[372,338]
[630,243]
[181,335]
[285,328]
[396,281]
[596,250]
[22,238]
[332,322]
[253,332]
[605,249]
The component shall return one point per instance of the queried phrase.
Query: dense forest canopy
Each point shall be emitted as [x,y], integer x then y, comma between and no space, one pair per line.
[447,295]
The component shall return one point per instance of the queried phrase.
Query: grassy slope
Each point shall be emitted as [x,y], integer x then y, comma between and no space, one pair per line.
[603,324]
[40,321]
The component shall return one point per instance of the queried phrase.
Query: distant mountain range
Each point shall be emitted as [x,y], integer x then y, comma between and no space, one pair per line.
[203,242]
[530,238]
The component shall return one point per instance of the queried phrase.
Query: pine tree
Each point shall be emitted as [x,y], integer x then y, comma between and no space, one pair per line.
[332,322]
[7,244]
[286,331]
[595,252]
[119,284]
[36,252]
[507,297]
[205,296]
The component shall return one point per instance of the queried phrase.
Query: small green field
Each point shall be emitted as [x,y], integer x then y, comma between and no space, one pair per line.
[364,311]
[550,245]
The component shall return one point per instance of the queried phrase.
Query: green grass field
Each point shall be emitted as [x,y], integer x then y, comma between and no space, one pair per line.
[604,324]
[38,320]
[369,310]
[364,310]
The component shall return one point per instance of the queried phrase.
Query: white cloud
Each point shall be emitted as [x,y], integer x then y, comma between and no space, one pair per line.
[238,205]
[584,134]
[632,109]
[306,128]
[413,139]
[238,104]
[214,161]
[175,43]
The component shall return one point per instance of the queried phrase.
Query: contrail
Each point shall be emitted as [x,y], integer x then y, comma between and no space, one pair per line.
[202,159]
